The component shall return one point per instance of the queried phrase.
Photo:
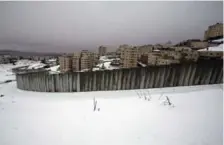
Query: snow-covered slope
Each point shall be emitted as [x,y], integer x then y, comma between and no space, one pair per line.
[124,117]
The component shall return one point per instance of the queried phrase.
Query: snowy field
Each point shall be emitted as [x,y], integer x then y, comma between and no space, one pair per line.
[34,118]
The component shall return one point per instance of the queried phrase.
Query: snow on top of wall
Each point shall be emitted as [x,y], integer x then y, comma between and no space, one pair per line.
[36,65]
[142,64]
[105,59]
[54,69]
[107,66]
[218,40]
[215,48]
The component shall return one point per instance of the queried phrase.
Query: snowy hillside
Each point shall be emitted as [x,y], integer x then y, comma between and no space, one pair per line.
[133,117]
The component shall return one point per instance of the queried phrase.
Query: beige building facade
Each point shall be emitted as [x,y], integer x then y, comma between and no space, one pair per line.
[144,50]
[129,56]
[211,54]
[174,54]
[102,50]
[76,61]
[85,63]
[198,44]
[156,59]
[65,63]
[214,31]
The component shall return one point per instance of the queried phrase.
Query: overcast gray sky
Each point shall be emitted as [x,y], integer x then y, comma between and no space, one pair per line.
[71,26]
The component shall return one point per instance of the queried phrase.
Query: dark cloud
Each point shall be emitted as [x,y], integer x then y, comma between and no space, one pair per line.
[71,26]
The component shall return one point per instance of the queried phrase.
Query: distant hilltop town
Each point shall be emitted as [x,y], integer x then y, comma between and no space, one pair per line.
[127,56]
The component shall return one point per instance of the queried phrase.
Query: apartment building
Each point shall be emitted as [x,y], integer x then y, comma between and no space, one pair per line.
[102,50]
[174,54]
[129,56]
[214,31]
[65,62]
[76,61]
[152,58]
[159,59]
[86,62]
[198,44]
[144,50]
[87,59]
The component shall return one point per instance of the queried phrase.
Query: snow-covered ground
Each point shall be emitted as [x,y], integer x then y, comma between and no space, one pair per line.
[35,118]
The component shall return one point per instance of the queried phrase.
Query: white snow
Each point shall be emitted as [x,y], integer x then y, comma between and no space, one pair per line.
[215,48]
[218,40]
[105,59]
[54,69]
[142,64]
[106,62]
[52,60]
[25,62]
[36,65]
[35,118]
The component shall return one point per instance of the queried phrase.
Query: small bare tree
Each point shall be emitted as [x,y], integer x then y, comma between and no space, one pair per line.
[149,98]
[139,95]
[168,102]
[161,96]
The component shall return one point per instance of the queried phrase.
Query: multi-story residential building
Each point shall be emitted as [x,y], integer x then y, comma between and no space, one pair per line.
[152,58]
[102,50]
[214,31]
[193,44]
[88,59]
[174,54]
[159,59]
[198,44]
[86,62]
[120,48]
[129,56]
[76,61]
[144,50]
[65,62]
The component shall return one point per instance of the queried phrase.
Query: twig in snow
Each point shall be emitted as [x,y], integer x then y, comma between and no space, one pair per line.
[149,98]
[160,96]
[94,104]
[168,102]
[145,96]
[138,94]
